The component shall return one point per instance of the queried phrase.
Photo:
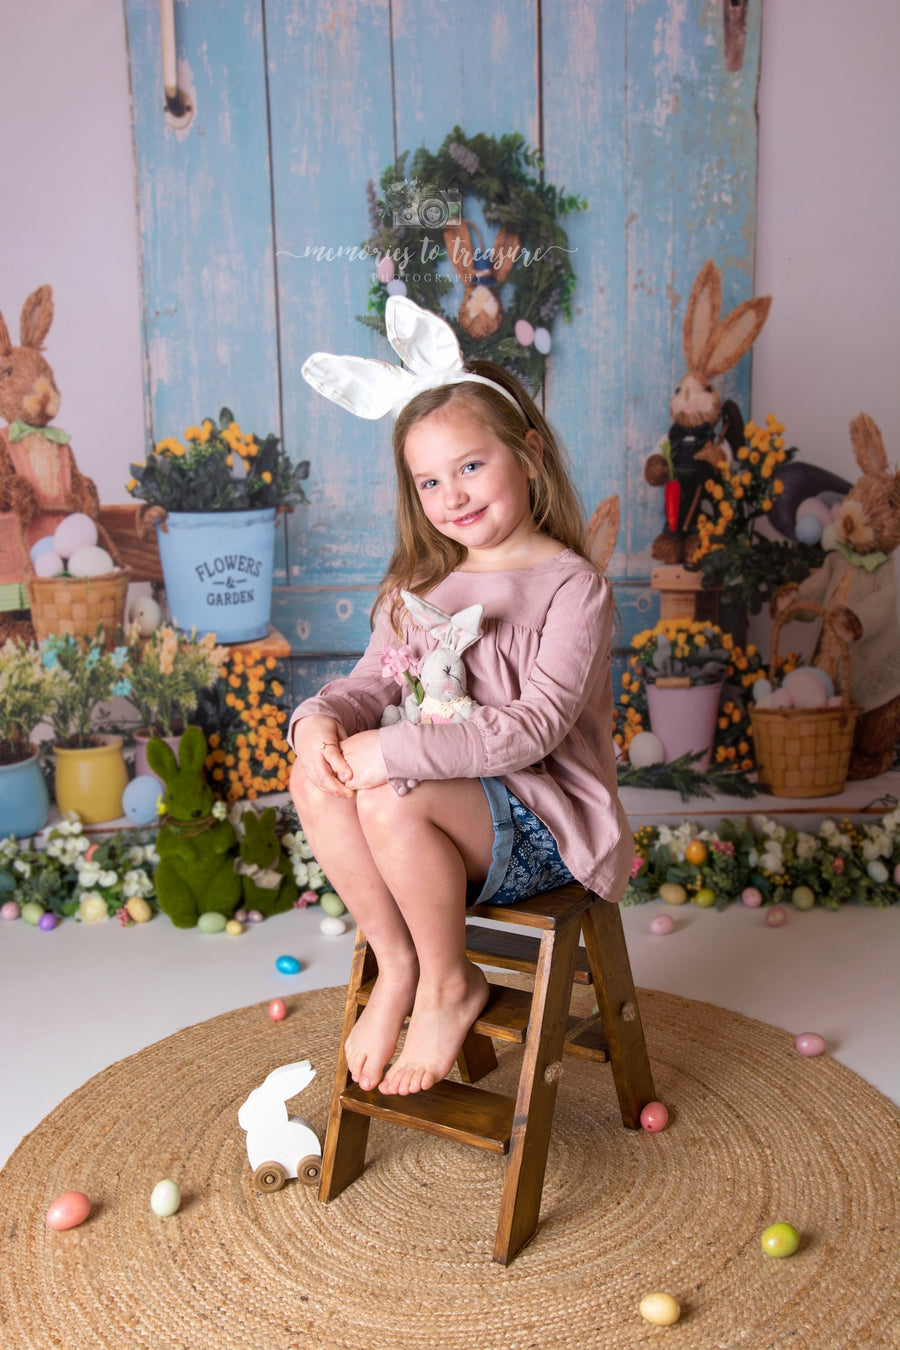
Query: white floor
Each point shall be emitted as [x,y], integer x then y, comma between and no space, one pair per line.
[77,999]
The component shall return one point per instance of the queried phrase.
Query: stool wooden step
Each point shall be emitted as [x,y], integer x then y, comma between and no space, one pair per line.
[514,951]
[452,1110]
[504,1016]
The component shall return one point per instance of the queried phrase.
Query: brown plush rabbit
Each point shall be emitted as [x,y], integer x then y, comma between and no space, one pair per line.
[711,346]
[858,584]
[39,480]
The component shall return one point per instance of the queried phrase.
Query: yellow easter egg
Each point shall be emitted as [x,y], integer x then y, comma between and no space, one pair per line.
[661,1309]
[672,893]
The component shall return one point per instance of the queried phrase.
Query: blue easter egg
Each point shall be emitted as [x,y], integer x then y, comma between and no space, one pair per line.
[40,546]
[808,529]
[140,797]
[542,341]
[288,965]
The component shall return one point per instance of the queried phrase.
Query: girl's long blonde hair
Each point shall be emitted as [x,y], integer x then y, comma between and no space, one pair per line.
[423,556]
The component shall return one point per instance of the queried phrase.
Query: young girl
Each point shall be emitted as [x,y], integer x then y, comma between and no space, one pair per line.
[517,799]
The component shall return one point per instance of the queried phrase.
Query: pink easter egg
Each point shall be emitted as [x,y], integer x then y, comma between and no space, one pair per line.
[781,699]
[386,271]
[775,916]
[9,910]
[806,689]
[835,701]
[68,1210]
[48,563]
[524,333]
[751,897]
[662,924]
[654,1117]
[810,1044]
[814,506]
[76,531]
[278,1010]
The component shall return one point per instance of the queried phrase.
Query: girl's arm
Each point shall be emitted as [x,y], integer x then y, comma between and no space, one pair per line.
[356,700]
[572,659]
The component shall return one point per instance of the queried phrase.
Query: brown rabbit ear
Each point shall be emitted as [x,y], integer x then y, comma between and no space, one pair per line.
[868,447]
[702,314]
[506,250]
[37,316]
[5,344]
[602,532]
[460,249]
[735,335]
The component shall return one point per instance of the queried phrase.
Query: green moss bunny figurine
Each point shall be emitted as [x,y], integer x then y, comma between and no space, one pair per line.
[197,852]
[265,872]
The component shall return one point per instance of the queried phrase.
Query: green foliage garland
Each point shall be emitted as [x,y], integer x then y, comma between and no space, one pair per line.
[419,195]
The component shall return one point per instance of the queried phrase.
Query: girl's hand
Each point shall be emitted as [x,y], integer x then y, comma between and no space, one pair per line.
[362,753]
[318,741]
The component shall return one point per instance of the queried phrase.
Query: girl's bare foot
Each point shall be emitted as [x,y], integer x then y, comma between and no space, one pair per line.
[374,1037]
[441,1019]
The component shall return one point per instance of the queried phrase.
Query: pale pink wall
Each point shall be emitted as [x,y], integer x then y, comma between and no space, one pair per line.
[829,104]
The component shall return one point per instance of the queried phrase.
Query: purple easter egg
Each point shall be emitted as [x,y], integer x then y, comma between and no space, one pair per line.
[47,922]
[542,341]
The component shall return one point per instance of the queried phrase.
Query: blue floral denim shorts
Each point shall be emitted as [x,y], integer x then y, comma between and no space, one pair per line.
[525,859]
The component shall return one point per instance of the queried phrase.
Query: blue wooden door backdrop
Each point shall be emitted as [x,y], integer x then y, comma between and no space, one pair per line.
[298,104]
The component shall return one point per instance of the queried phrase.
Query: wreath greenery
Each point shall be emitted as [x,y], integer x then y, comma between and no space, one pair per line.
[422,201]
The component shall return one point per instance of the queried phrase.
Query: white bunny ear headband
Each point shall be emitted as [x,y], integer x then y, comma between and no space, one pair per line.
[427,346]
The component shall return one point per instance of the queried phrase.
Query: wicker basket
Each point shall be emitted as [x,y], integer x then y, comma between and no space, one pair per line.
[76,605]
[805,752]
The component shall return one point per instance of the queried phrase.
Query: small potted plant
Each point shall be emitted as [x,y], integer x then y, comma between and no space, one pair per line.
[167,672]
[27,695]
[683,664]
[214,497]
[90,775]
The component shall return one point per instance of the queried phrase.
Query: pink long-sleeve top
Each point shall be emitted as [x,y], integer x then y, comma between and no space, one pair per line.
[541,673]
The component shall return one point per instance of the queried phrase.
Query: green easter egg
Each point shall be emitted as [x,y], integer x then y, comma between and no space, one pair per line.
[332,904]
[705,898]
[802,897]
[32,912]
[7,881]
[780,1239]
[211,922]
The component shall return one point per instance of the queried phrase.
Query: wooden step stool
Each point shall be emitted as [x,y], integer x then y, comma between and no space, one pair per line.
[517,1126]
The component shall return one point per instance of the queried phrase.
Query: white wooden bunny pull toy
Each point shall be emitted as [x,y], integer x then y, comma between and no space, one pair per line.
[280,1146]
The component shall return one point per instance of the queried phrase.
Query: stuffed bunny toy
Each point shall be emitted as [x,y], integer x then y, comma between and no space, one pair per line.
[442,675]
[857,584]
[40,482]
[267,879]
[195,874]
[711,346]
[279,1144]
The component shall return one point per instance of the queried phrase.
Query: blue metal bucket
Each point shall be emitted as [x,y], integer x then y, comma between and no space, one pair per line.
[218,571]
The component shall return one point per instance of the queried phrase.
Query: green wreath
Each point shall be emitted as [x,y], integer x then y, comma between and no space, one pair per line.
[513,285]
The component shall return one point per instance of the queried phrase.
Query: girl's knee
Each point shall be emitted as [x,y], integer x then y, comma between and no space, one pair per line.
[380,807]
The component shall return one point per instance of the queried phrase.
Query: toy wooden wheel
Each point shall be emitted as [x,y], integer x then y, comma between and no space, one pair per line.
[309,1169]
[269,1176]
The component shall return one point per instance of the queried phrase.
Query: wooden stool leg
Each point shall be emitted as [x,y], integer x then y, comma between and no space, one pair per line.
[541,1068]
[604,939]
[347,1133]
[476,1058]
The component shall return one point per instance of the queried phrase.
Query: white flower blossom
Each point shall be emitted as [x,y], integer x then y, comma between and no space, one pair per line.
[92,908]
[136,883]
[807,845]
[88,874]
[220,810]
[22,867]
[108,879]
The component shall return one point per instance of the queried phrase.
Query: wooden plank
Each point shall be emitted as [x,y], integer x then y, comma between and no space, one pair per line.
[691,137]
[332,130]
[584,146]
[451,1110]
[513,951]
[204,196]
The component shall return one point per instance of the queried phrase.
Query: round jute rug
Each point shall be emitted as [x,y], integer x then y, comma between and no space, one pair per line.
[402,1259]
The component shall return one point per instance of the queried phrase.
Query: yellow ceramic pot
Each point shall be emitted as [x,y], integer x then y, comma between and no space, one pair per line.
[92,780]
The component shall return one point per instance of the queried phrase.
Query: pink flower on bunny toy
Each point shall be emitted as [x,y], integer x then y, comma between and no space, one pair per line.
[442,675]
[398,663]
